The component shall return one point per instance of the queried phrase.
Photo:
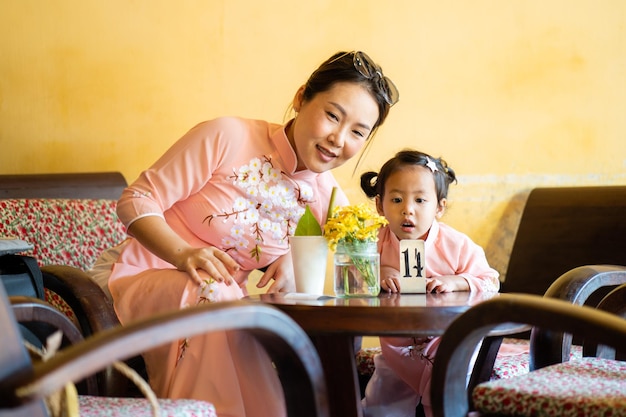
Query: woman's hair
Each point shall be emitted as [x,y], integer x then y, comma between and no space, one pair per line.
[341,68]
[373,184]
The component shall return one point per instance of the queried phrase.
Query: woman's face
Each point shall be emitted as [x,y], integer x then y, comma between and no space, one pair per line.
[332,127]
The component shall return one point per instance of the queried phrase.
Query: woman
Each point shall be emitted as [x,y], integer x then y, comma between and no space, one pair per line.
[222,202]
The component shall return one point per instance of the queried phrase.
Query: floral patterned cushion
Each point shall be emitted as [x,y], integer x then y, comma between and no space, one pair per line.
[507,366]
[90,406]
[582,387]
[60,304]
[63,231]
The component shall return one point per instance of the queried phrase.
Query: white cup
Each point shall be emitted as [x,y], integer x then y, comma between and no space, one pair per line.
[309,256]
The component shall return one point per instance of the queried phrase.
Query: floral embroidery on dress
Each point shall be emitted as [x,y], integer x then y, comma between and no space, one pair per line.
[272,207]
[208,292]
[418,348]
[137,194]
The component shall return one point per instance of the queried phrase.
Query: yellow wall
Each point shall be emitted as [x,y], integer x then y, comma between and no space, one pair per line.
[513,94]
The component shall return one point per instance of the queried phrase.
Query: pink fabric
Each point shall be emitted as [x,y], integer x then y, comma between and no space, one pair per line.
[229,183]
[448,252]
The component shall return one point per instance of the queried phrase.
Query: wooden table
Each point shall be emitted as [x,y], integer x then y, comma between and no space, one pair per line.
[332,323]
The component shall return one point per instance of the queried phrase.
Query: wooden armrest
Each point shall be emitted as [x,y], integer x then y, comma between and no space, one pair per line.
[292,352]
[575,286]
[448,391]
[94,310]
[29,311]
[579,283]
[614,302]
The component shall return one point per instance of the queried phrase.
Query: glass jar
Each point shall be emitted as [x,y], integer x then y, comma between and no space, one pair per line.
[357,269]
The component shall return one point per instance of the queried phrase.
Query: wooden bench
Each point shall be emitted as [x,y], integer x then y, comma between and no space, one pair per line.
[70,219]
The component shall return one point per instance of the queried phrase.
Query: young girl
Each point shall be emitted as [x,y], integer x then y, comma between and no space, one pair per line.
[411,192]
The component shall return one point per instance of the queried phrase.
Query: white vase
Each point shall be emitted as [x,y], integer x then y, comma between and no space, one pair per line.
[309,255]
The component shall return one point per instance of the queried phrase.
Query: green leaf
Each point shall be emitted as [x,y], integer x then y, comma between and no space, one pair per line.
[308,224]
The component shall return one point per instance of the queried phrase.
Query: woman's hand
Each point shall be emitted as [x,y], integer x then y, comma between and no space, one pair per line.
[159,238]
[281,271]
[218,264]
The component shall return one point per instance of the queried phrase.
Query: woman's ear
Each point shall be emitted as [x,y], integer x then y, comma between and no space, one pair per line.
[297,99]
[441,208]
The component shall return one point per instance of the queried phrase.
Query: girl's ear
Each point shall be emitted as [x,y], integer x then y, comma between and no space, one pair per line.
[441,208]
[379,206]
[297,99]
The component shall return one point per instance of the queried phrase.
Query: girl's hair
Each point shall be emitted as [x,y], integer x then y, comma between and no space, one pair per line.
[341,68]
[373,184]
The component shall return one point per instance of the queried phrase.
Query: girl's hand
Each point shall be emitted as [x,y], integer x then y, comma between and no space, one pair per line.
[390,284]
[281,271]
[449,284]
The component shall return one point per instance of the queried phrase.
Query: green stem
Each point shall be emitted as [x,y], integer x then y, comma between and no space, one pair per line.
[365,269]
[331,203]
[346,280]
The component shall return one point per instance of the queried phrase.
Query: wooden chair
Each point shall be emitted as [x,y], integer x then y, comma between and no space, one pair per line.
[560,229]
[577,286]
[518,395]
[296,360]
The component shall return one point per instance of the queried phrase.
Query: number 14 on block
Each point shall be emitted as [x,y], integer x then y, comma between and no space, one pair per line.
[412,266]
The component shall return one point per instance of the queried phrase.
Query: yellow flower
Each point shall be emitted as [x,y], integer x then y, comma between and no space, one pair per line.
[352,224]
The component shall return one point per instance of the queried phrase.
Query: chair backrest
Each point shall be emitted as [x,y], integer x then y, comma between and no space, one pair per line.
[565,227]
[92,185]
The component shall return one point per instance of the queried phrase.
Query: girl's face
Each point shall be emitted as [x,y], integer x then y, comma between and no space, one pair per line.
[332,127]
[410,202]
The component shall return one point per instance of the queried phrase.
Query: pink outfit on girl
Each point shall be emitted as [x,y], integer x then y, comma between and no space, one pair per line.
[403,369]
[228,183]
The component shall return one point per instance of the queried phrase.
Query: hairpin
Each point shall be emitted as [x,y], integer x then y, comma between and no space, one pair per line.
[432,165]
